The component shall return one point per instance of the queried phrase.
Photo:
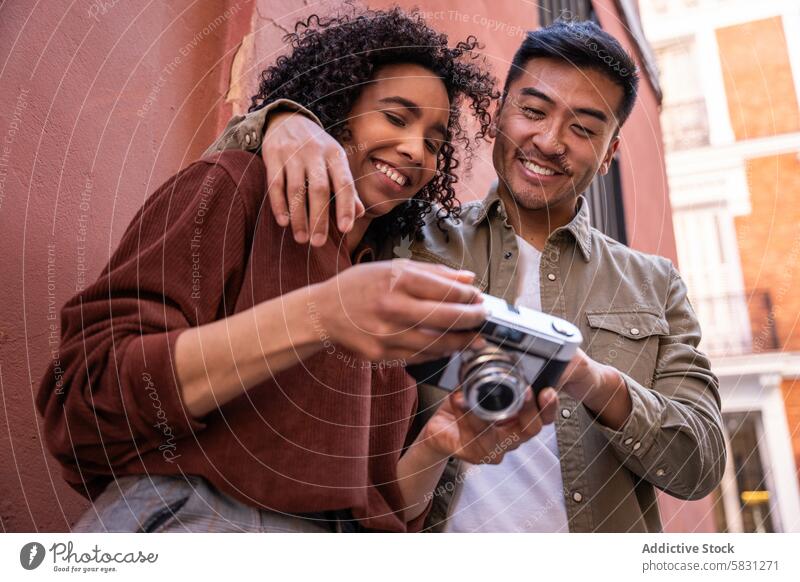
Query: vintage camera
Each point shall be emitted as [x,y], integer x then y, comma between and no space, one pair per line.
[527,348]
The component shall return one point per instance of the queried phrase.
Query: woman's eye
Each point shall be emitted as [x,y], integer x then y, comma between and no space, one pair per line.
[395,119]
[432,146]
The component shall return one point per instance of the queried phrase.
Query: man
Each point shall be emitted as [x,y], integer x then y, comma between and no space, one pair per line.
[640,407]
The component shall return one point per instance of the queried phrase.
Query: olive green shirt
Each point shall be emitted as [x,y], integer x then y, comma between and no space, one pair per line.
[634,314]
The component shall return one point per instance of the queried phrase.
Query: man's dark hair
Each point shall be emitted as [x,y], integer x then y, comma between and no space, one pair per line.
[584,45]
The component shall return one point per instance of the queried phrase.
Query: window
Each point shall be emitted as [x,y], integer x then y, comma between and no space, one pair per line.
[746,490]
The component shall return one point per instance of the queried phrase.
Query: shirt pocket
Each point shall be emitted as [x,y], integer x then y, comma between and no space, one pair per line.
[628,340]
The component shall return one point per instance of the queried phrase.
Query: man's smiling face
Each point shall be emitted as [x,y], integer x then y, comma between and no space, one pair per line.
[556,129]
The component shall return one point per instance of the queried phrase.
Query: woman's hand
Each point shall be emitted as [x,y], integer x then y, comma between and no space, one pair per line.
[398,309]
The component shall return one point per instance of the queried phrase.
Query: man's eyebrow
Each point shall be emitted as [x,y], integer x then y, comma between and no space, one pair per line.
[536,93]
[590,111]
[413,109]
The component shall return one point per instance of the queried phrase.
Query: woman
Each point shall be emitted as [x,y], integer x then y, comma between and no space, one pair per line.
[223,377]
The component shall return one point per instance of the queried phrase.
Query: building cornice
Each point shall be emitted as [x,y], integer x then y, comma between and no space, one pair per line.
[785,364]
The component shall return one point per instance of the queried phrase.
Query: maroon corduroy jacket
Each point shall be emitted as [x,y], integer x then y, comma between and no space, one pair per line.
[326,434]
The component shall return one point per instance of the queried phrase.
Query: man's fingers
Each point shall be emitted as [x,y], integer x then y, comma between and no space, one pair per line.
[360,208]
[548,405]
[276,190]
[528,419]
[296,191]
[348,205]
[319,196]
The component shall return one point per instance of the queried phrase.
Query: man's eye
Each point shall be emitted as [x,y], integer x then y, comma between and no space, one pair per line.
[583,130]
[395,119]
[532,113]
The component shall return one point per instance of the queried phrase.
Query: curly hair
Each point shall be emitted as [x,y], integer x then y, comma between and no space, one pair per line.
[333,57]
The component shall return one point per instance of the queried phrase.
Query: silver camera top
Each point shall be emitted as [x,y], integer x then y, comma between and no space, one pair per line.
[529,331]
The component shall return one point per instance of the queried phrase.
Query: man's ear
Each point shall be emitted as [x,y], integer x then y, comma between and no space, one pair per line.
[493,125]
[612,149]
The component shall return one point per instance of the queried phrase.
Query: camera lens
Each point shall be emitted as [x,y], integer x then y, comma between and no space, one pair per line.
[493,387]
[496,397]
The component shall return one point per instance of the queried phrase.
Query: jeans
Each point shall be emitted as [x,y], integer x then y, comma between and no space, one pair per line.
[156,503]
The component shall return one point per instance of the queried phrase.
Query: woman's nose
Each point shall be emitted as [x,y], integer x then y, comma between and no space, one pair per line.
[412,149]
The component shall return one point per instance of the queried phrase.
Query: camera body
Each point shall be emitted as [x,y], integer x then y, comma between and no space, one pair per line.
[526,348]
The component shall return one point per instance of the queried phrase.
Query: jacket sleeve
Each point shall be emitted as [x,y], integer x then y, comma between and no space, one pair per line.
[673,437]
[180,264]
[245,132]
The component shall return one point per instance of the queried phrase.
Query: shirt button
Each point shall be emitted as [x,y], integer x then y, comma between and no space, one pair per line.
[628,441]
[565,413]
[551,276]
[634,331]
[637,446]
[577,497]
[508,254]
[660,473]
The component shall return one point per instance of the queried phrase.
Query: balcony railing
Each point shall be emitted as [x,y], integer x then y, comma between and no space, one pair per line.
[737,323]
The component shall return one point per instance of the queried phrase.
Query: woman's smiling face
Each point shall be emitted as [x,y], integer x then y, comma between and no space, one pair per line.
[396,128]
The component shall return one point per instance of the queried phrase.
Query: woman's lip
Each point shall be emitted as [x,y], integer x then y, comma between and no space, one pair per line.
[533,176]
[387,178]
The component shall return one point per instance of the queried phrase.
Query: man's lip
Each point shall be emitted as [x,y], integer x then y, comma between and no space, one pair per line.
[541,164]
[395,168]
[530,175]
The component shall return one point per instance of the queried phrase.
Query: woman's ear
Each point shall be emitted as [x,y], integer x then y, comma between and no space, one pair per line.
[346,136]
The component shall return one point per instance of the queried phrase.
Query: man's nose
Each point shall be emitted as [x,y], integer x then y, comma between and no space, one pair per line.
[549,142]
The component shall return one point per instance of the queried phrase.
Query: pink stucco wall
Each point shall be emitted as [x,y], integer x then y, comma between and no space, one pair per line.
[101,100]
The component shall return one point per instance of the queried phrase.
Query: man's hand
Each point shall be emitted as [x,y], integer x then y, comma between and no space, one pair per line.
[454,431]
[398,310]
[600,388]
[298,153]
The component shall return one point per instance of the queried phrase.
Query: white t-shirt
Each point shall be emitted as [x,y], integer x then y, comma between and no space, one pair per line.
[525,492]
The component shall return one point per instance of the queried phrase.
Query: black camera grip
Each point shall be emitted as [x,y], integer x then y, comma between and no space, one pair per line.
[549,376]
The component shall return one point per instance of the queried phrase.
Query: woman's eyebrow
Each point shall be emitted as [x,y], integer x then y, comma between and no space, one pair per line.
[413,109]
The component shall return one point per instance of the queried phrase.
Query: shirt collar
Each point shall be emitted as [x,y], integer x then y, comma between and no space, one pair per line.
[580,227]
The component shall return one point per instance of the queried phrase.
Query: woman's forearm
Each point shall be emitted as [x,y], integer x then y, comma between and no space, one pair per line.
[418,473]
[221,360]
